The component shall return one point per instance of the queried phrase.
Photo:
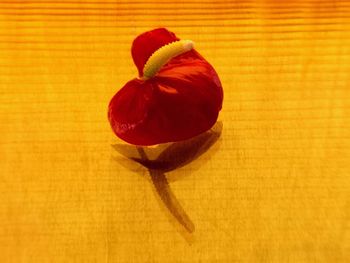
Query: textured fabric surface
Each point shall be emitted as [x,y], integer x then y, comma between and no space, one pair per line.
[274,187]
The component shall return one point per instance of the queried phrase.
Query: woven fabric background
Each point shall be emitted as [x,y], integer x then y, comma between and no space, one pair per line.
[274,188]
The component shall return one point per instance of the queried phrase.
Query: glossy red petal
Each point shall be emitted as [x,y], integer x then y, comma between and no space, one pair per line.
[188,101]
[179,103]
[147,43]
[129,107]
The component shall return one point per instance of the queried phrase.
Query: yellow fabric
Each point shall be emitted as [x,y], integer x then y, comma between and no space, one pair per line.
[274,188]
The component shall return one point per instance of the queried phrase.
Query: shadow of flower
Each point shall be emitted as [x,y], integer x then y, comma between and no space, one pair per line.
[167,157]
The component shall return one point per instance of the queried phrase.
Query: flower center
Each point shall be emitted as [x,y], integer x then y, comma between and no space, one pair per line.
[162,55]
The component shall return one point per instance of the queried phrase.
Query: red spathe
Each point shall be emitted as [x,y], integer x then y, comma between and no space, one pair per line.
[181,101]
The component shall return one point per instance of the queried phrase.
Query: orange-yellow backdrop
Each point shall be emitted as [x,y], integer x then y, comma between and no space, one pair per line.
[276,186]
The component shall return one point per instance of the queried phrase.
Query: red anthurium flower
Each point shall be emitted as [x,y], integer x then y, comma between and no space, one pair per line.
[178,94]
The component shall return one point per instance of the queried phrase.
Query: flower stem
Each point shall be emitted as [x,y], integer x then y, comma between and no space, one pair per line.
[167,196]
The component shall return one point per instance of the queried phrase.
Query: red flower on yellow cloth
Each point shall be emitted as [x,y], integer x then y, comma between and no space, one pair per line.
[177,95]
